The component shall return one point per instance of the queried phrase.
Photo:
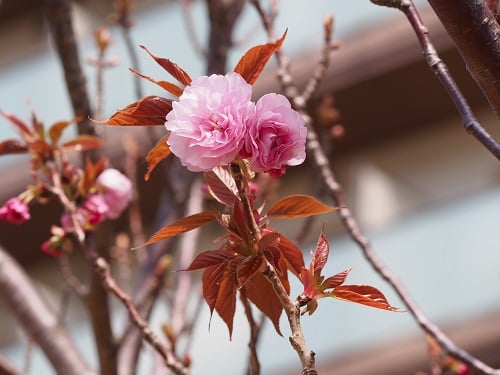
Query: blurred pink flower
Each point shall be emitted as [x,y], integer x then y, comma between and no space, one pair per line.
[96,209]
[209,122]
[117,193]
[276,137]
[15,211]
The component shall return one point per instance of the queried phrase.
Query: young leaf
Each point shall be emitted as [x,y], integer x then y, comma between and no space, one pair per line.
[24,129]
[320,256]
[247,268]
[182,225]
[225,305]
[252,63]
[159,152]
[82,142]
[336,280]
[292,254]
[175,70]
[168,86]
[55,131]
[148,111]
[211,283]
[261,293]
[221,186]
[363,294]
[12,146]
[209,258]
[295,206]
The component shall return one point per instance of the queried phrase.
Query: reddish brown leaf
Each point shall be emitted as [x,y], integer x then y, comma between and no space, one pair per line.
[12,146]
[150,110]
[363,294]
[182,225]
[295,206]
[239,222]
[168,86]
[247,268]
[320,256]
[211,283]
[261,293]
[82,142]
[292,254]
[159,152]
[336,280]
[24,129]
[175,70]
[225,305]
[40,147]
[209,258]
[252,63]
[221,186]
[55,131]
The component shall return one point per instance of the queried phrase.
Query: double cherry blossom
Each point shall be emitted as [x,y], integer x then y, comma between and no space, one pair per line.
[215,121]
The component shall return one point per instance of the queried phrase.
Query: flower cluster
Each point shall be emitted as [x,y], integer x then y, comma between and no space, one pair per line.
[108,202]
[15,211]
[215,121]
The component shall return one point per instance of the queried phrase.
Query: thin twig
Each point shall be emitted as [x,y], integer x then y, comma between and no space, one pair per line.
[37,319]
[7,369]
[190,29]
[102,268]
[69,277]
[255,330]
[470,123]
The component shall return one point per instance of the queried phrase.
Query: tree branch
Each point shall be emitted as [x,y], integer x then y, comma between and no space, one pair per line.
[40,323]
[476,33]
[6,368]
[470,123]
[58,13]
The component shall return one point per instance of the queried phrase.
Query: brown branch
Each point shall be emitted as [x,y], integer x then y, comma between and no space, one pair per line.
[102,270]
[255,330]
[40,323]
[222,15]
[470,123]
[476,33]
[7,369]
[292,311]
[58,13]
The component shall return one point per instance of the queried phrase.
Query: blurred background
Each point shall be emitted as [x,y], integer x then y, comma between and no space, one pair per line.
[426,193]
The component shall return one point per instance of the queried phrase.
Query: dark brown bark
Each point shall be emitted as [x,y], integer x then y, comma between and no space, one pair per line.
[476,34]
[37,319]
[222,15]
[58,13]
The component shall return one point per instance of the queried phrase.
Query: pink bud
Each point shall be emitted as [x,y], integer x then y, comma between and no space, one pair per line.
[117,192]
[15,211]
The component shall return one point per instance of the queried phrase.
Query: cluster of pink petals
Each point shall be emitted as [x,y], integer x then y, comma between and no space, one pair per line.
[215,120]
[108,203]
[15,211]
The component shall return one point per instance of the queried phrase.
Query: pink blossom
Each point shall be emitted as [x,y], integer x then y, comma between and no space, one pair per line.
[277,136]
[209,121]
[15,211]
[117,192]
[96,209]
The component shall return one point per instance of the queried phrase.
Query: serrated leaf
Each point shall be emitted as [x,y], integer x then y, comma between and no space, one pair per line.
[255,59]
[225,305]
[23,128]
[148,111]
[182,225]
[175,70]
[296,206]
[336,280]
[168,86]
[261,293]
[247,268]
[209,258]
[82,142]
[211,283]
[320,256]
[55,131]
[362,294]
[12,146]
[292,254]
[159,152]
[221,186]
